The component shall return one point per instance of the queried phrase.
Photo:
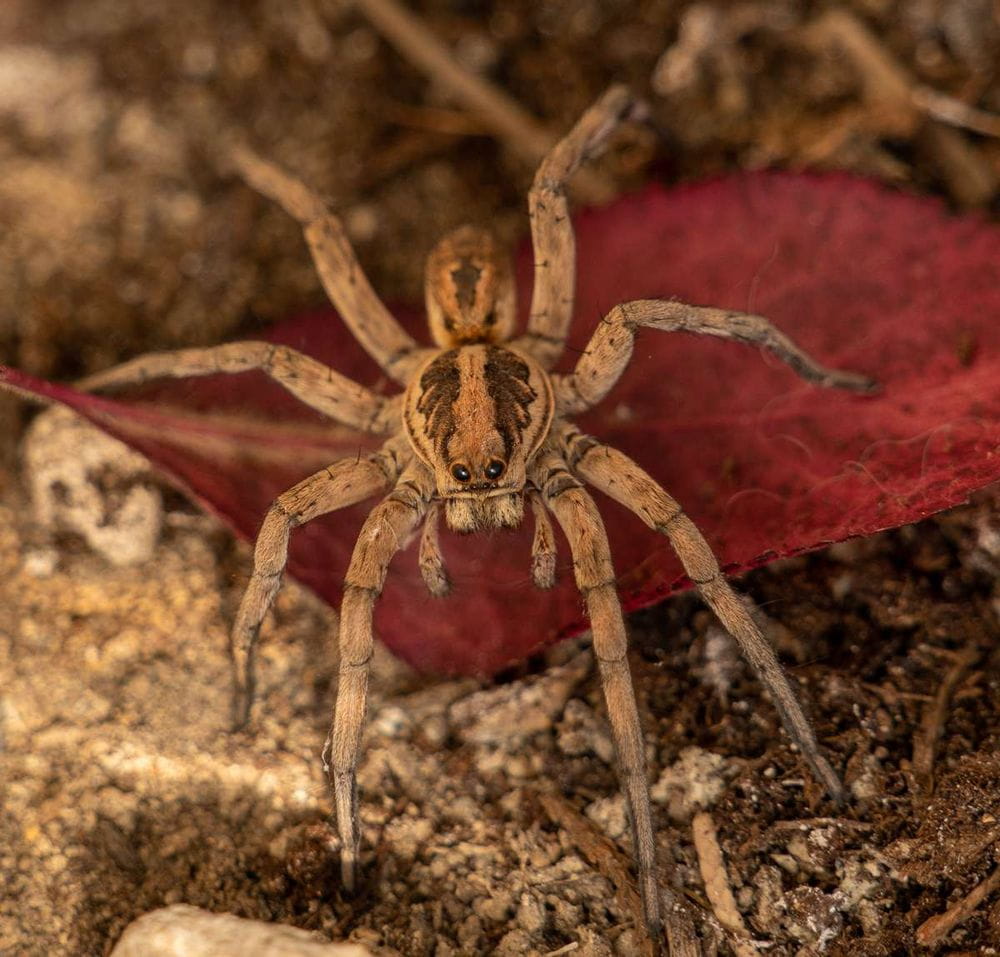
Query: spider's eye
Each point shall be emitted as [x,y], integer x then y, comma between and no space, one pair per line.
[461,473]
[494,470]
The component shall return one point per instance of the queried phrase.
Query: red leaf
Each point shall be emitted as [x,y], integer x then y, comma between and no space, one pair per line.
[863,277]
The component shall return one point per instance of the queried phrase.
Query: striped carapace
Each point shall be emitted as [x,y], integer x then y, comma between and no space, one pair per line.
[477,411]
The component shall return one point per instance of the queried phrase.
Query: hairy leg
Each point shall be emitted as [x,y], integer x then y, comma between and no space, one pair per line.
[310,381]
[385,531]
[552,231]
[432,568]
[345,283]
[615,474]
[610,348]
[342,484]
[543,545]
[580,521]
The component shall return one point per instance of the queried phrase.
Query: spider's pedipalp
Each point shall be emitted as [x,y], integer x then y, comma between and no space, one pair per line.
[577,515]
[615,474]
[432,568]
[310,381]
[551,230]
[345,283]
[339,485]
[543,544]
[386,529]
[610,348]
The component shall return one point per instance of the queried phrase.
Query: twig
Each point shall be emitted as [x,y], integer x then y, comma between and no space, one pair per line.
[720,895]
[682,940]
[603,855]
[422,48]
[499,113]
[926,738]
[890,93]
[934,930]
[567,949]
[891,697]
[886,84]
[949,110]
[804,823]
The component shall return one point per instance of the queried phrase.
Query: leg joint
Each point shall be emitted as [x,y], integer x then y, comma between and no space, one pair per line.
[616,660]
[387,461]
[600,583]
[666,525]
[545,184]
[578,445]
[409,495]
[354,590]
[557,483]
[349,667]
[702,582]
[280,512]
[622,315]
[274,354]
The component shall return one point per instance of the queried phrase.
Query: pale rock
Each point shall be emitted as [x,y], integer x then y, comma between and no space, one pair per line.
[185,931]
[695,781]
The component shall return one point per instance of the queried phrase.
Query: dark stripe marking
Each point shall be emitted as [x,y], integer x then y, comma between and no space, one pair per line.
[508,383]
[439,387]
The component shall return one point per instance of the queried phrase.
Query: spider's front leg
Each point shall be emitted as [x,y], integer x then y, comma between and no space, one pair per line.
[580,521]
[610,348]
[384,532]
[615,474]
[345,283]
[340,485]
[551,230]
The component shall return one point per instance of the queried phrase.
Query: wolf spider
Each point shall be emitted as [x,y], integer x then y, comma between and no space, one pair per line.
[480,426]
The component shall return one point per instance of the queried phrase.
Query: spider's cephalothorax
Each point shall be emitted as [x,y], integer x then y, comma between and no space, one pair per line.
[478,411]
[481,425]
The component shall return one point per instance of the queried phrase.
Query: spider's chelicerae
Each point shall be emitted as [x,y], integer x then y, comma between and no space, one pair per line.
[480,428]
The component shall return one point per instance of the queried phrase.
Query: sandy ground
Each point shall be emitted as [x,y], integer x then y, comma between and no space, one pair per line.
[125,791]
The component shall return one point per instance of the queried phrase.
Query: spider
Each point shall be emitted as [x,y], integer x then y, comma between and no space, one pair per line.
[480,428]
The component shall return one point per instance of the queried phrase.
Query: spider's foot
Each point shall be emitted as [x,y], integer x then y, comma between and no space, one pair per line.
[349,869]
[543,570]
[853,381]
[436,579]
[829,779]
[242,704]
[650,892]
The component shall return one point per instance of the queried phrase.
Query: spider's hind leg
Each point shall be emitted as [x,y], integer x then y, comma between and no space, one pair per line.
[615,474]
[380,335]
[551,229]
[577,514]
[387,527]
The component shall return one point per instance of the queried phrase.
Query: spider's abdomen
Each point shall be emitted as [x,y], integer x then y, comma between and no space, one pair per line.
[476,415]
[469,289]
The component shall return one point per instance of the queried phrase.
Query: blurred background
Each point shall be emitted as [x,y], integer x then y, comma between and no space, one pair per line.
[120,235]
